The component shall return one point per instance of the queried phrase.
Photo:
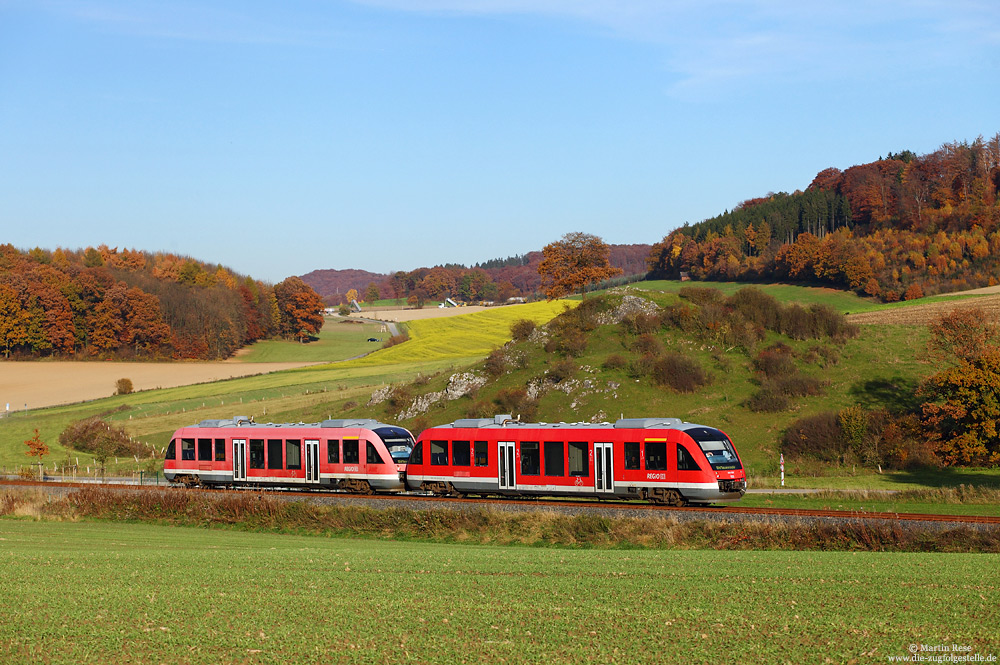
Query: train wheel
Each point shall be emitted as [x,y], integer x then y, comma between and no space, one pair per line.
[356,486]
[190,481]
[665,497]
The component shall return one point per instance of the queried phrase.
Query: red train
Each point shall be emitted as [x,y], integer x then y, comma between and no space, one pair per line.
[663,460]
[354,455]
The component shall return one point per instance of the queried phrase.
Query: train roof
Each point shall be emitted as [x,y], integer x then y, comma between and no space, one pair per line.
[245,421]
[505,421]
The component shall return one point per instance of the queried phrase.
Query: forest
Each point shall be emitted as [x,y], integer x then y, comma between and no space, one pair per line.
[106,303]
[899,228]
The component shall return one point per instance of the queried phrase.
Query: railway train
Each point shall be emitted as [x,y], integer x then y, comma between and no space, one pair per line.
[359,455]
[662,460]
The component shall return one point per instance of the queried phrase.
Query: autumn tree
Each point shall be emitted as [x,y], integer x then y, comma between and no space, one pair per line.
[36,447]
[961,404]
[571,264]
[300,309]
[352,294]
[372,292]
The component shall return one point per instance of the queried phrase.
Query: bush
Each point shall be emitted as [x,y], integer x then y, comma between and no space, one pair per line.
[123,387]
[679,372]
[102,439]
[767,400]
[396,339]
[701,295]
[775,360]
[570,342]
[521,329]
[757,307]
[818,437]
[496,363]
[562,370]
[648,344]
[797,385]
[615,361]
[516,401]
[640,323]
[641,366]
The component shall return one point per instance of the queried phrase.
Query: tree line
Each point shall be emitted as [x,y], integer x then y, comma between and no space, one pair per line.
[129,303]
[899,228]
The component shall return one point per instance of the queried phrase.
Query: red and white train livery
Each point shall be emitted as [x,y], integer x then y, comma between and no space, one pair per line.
[663,460]
[357,455]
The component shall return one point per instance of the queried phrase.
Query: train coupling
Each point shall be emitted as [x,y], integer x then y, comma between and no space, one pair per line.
[728,486]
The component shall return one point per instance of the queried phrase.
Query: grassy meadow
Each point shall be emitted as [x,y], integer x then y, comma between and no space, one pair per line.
[339,339]
[118,593]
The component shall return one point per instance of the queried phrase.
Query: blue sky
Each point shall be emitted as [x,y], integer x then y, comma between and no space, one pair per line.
[282,137]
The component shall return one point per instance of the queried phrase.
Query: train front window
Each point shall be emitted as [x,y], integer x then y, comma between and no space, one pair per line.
[397,441]
[717,447]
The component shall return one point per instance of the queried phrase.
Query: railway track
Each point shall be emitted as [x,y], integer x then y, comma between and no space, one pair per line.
[420,501]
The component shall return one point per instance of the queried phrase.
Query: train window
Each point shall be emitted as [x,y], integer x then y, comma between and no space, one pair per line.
[685,462]
[256,453]
[172,449]
[530,462]
[656,456]
[293,454]
[351,454]
[632,454]
[187,449]
[460,453]
[482,453]
[220,450]
[333,451]
[417,455]
[274,459]
[205,450]
[554,459]
[578,459]
[717,447]
[372,454]
[439,453]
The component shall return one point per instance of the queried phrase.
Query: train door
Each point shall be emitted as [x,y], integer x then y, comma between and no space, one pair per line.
[604,472]
[239,459]
[505,457]
[312,461]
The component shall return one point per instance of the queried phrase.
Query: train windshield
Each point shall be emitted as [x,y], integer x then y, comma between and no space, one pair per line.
[717,447]
[397,441]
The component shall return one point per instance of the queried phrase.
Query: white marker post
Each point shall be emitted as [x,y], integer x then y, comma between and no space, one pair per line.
[782,469]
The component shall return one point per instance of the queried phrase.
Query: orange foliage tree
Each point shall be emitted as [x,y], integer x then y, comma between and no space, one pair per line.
[300,308]
[570,264]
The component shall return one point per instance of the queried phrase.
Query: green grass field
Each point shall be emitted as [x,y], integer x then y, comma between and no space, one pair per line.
[338,340]
[118,593]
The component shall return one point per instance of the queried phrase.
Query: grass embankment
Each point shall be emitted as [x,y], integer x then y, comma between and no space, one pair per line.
[308,394]
[962,500]
[113,593]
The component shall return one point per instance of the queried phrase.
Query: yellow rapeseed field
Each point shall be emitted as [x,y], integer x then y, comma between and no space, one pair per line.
[466,336]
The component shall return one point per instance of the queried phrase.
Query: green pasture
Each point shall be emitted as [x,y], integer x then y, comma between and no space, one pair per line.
[339,339]
[116,593]
[935,502]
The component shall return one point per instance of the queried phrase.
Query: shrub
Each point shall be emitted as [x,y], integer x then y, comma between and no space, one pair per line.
[680,316]
[496,363]
[516,401]
[400,397]
[100,438]
[679,372]
[396,339]
[641,366]
[123,387]
[701,295]
[569,342]
[757,307]
[818,437]
[639,323]
[775,360]
[767,400]
[797,385]
[648,344]
[562,370]
[615,361]
[521,329]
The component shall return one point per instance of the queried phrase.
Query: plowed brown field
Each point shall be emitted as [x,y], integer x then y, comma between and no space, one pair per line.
[924,314]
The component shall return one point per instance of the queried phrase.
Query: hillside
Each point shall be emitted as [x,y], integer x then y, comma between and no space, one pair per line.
[897,229]
[639,353]
[497,279]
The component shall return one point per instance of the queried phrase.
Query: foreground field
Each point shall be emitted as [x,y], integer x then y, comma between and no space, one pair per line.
[111,593]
